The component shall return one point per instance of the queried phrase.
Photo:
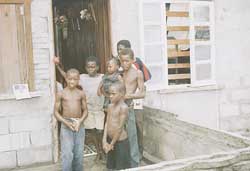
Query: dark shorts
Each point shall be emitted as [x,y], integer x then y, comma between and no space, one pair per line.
[119,158]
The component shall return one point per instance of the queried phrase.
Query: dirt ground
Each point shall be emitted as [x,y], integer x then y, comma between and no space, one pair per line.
[89,165]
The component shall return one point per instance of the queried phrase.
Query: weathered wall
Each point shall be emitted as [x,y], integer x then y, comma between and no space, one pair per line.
[125,23]
[168,138]
[25,127]
[236,160]
[201,106]
[232,63]
[227,107]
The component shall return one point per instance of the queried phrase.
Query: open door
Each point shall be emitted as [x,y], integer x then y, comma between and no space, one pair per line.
[81,29]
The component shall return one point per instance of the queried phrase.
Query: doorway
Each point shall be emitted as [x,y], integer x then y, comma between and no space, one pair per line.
[81,29]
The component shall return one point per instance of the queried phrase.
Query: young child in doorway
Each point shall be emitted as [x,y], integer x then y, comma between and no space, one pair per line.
[115,138]
[71,111]
[110,77]
[94,123]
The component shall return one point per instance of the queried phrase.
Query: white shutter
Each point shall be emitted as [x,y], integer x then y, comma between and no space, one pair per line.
[153,42]
[202,50]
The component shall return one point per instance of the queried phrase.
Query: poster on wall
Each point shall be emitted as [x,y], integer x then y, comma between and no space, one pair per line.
[21,91]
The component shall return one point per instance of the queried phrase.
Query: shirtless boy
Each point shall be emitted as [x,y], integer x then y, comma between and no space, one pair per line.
[71,111]
[134,83]
[94,123]
[115,139]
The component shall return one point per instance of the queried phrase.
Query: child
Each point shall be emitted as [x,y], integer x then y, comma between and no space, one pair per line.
[115,139]
[112,76]
[94,123]
[71,111]
[138,64]
[133,80]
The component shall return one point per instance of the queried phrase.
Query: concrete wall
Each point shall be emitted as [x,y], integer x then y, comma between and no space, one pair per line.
[25,127]
[125,23]
[226,107]
[236,160]
[232,63]
[168,138]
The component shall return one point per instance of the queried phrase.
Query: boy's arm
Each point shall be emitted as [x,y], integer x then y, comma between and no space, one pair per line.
[123,118]
[99,90]
[56,60]
[141,89]
[84,112]
[57,112]
[104,138]
[61,71]
[84,107]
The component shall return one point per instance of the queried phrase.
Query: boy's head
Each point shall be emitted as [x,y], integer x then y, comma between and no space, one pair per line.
[127,58]
[72,78]
[117,91]
[122,44]
[92,66]
[113,65]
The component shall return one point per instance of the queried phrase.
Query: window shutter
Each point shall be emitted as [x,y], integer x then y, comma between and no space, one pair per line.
[202,50]
[153,42]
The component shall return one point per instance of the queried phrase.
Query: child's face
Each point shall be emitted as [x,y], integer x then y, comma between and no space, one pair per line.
[119,48]
[91,68]
[114,94]
[126,62]
[72,80]
[112,67]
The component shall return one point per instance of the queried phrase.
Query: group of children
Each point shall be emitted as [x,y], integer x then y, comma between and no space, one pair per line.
[98,95]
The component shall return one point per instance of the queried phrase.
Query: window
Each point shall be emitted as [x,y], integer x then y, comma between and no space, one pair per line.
[16,64]
[177,42]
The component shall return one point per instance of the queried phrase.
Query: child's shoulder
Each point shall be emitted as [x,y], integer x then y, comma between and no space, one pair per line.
[124,106]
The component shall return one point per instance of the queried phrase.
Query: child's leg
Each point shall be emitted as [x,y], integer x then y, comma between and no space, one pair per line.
[110,158]
[132,137]
[78,150]
[67,145]
[99,134]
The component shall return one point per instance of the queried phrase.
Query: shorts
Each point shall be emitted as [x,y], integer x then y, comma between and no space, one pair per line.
[119,157]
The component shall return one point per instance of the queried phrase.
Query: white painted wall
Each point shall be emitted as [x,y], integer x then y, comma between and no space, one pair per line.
[125,23]
[232,63]
[25,125]
[227,108]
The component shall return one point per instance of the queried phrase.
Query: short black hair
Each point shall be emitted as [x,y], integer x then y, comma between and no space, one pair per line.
[72,70]
[92,59]
[116,60]
[118,85]
[125,43]
[127,51]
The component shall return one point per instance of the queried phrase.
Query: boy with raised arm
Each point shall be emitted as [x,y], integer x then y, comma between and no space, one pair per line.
[71,111]
[134,83]
[94,123]
[115,138]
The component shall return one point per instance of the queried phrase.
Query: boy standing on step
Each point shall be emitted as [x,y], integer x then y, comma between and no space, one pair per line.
[71,111]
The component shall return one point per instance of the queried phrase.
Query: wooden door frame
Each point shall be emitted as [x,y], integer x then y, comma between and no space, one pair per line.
[55,137]
[28,37]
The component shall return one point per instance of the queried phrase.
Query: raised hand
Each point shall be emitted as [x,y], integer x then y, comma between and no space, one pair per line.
[56,60]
